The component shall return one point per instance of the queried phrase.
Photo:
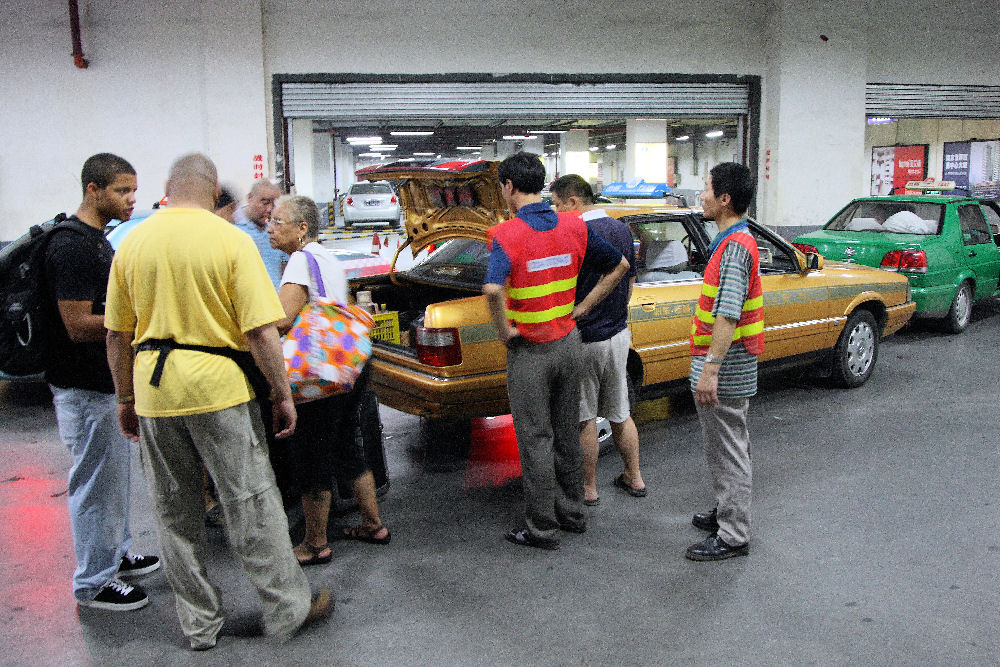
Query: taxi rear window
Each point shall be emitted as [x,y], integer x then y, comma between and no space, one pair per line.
[896,217]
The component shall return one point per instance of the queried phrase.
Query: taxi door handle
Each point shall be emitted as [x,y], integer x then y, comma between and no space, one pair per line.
[648,307]
[972,253]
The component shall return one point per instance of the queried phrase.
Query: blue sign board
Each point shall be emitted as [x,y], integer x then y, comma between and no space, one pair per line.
[636,189]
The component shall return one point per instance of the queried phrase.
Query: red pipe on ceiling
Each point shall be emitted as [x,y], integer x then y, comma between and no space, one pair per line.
[74,25]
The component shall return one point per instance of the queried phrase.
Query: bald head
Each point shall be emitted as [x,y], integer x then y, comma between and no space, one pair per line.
[193,182]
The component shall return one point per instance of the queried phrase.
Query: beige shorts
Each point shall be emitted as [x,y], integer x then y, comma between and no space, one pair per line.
[603,383]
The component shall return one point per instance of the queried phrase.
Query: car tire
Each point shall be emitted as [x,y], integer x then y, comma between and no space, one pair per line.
[961,309]
[856,351]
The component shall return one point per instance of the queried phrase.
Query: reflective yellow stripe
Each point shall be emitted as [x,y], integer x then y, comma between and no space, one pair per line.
[747,330]
[703,340]
[540,316]
[753,304]
[710,291]
[704,316]
[536,291]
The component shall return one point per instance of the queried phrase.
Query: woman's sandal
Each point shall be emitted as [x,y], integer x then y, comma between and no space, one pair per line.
[362,534]
[315,558]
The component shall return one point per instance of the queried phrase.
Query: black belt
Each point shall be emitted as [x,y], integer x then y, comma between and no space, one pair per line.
[243,359]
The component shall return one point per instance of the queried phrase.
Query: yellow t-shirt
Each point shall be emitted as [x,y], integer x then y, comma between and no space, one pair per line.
[189,275]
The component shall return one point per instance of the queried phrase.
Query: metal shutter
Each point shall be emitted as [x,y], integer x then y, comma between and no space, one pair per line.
[510,100]
[927,101]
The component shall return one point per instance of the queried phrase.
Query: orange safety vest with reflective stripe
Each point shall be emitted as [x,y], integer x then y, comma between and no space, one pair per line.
[541,290]
[750,328]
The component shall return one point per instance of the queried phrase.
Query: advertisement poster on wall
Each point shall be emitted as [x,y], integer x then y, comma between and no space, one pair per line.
[956,163]
[893,166]
[910,164]
[974,166]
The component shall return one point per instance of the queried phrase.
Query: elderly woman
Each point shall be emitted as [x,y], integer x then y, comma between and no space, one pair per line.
[324,442]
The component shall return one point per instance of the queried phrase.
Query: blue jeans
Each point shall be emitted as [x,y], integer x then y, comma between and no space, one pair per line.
[98,485]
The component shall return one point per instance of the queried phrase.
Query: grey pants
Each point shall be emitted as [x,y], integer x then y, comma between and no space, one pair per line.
[543,385]
[232,446]
[727,449]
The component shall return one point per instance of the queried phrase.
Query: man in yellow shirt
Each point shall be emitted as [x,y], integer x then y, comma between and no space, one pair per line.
[190,292]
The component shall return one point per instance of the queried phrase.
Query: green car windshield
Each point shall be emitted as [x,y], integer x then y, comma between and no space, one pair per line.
[896,217]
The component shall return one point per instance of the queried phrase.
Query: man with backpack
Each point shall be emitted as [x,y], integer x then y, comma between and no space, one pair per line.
[77,264]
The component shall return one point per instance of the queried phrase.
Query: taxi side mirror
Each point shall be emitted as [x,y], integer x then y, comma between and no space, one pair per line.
[814,261]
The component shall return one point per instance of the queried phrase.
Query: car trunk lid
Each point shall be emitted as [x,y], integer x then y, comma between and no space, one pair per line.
[444,200]
[866,248]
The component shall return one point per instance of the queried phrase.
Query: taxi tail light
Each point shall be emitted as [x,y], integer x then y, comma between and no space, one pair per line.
[350,201]
[805,248]
[392,199]
[908,261]
[438,347]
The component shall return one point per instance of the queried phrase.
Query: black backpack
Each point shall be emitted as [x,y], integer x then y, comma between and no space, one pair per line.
[27,313]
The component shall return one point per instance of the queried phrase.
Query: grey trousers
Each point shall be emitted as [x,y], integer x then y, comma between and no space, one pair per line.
[727,449]
[232,446]
[543,385]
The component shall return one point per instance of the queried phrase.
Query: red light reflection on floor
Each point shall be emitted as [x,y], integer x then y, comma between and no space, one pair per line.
[493,455]
[36,552]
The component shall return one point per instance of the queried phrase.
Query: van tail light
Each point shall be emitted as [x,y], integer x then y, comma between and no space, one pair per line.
[392,199]
[805,248]
[908,261]
[350,201]
[438,347]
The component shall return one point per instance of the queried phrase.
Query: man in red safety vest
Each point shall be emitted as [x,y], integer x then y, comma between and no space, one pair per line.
[530,286]
[727,336]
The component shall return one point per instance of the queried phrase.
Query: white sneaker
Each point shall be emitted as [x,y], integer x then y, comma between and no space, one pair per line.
[116,595]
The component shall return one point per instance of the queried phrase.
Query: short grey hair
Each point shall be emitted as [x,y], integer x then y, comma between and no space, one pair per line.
[303,209]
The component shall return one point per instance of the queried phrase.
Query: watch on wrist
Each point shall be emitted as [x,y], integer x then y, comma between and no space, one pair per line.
[712,359]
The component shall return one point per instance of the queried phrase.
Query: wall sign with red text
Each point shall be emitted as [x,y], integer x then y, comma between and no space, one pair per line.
[258,166]
[894,166]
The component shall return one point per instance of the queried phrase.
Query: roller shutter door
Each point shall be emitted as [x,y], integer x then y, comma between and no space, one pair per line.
[511,100]
[928,101]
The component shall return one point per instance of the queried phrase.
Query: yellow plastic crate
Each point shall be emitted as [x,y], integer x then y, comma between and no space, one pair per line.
[387,327]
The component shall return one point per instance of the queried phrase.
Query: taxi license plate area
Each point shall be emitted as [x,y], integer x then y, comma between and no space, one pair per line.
[373,202]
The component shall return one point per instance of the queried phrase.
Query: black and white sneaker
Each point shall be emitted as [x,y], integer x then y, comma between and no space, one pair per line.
[135,565]
[118,596]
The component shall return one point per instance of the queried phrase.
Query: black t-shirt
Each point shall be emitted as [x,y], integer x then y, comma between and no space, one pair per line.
[77,266]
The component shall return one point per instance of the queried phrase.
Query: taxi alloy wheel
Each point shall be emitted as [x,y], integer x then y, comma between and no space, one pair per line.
[961,309]
[856,350]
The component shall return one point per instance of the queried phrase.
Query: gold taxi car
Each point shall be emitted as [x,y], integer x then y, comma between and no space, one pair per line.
[446,361]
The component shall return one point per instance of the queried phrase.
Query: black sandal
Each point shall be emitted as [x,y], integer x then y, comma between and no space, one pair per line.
[315,558]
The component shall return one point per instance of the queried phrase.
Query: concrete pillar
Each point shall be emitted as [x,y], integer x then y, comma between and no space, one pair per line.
[574,152]
[343,164]
[813,111]
[302,156]
[323,167]
[646,150]
[507,147]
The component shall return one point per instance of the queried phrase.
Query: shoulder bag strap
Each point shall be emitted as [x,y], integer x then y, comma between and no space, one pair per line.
[315,274]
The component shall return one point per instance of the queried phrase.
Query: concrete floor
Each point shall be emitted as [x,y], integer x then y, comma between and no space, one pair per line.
[876,542]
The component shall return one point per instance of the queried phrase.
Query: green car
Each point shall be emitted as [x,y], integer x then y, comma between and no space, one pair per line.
[945,245]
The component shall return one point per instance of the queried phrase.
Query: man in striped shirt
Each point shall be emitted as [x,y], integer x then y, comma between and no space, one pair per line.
[727,337]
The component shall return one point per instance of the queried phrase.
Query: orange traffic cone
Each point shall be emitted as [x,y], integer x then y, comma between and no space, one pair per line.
[376,244]
[386,242]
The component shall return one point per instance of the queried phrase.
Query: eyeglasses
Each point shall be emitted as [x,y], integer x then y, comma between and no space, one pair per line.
[278,221]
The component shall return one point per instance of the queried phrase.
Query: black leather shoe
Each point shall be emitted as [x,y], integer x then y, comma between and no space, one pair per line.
[707,520]
[713,548]
[526,539]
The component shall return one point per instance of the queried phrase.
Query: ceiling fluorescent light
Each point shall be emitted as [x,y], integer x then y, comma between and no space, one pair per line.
[714,134]
[412,133]
[423,154]
[515,137]
[364,140]
[682,138]
[611,147]
[469,148]
[407,159]
[594,149]
[383,147]
[370,155]
[546,131]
